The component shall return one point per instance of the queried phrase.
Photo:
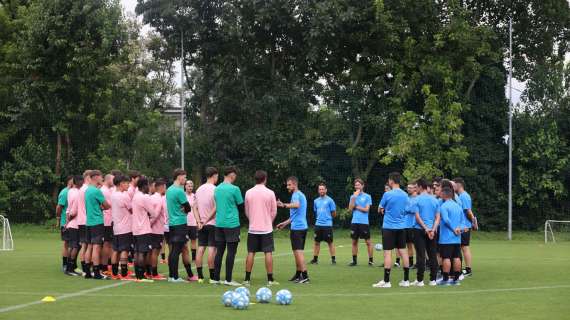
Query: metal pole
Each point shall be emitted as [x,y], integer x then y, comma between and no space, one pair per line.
[182,100]
[510,228]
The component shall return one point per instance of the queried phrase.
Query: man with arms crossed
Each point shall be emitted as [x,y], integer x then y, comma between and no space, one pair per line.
[121,211]
[157,226]
[94,202]
[81,220]
[261,210]
[71,226]
[360,203]
[206,206]
[469,221]
[450,237]
[107,190]
[325,210]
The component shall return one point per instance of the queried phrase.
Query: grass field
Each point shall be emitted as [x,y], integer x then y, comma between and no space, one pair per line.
[522,279]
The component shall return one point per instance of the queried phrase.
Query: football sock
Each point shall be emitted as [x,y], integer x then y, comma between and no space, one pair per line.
[64,261]
[370,259]
[163,256]
[456,275]
[154,271]
[406,274]
[468,269]
[411,260]
[305,275]
[446,276]
[96,271]
[212,273]
[315,258]
[270,277]
[387,274]
[200,272]
[188,268]
[247,276]
[398,260]
[124,269]
[354,259]
[115,269]
[193,254]
[333,258]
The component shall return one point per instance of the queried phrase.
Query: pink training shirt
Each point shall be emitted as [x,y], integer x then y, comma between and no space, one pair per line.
[71,211]
[190,219]
[205,203]
[107,214]
[143,214]
[81,211]
[158,204]
[166,226]
[260,209]
[121,212]
[132,190]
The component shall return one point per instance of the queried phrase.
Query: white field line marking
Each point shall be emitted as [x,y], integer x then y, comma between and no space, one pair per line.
[385,293]
[64,296]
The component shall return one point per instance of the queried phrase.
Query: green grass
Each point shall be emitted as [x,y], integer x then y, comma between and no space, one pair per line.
[522,279]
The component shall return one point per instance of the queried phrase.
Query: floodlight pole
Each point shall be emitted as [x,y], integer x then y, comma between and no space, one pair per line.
[510,223]
[182,100]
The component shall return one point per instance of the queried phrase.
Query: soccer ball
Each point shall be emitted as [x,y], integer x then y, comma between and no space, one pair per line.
[263,295]
[284,297]
[378,247]
[227,298]
[243,290]
[240,301]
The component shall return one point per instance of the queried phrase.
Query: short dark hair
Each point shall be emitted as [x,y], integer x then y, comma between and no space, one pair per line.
[322,184]
[86,173]
[94,173]
[116,172]
[293,179]
[460,181]
[447,191]
[142,184]
[120,178]
[359,180]
[70,177]
[260,176]
[395,176]
[134,174]
[177,173]
[159,182]
[211,171]
[422,183]
[229,170]
[77,180]
[437,180]
[446,183]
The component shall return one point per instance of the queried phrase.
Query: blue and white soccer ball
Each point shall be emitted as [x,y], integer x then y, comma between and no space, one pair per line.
[284,297]
[263,295]
[227,298]
[378,247]
[240,301]
[243,290]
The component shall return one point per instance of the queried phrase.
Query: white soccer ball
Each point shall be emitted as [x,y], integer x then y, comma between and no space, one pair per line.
[284,297]
[227,298]
[378,247]
[263,295]
[240,301]
[243,290]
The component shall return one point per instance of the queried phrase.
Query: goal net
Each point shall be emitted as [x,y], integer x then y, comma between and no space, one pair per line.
[6,241]
[556,230]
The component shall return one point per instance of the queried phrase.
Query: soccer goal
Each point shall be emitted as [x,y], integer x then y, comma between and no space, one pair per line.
[7,243]
[558,227]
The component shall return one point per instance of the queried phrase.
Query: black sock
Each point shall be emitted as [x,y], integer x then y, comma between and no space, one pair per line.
[163,256]
[456,275]
[387,274]
[398,260]
[193,254]
[83,266]
[297,274]
[188,268]
[468,269]
[88,270]
[315,258]
[200,273]
[370,259]
[406,274]
[230,259]
[354,259]
[154,271]
[212,273]
[69,267]
[96,271]
[305,275]
[333,258]
[138,272]
[124,269]
[115,268]
[148,269]
[270,277]
[103,267]
[247,276]
[446,276]
[64,261]
[411,261]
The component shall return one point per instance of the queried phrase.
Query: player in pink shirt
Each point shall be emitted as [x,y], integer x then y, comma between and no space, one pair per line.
[144,215]
[82,218]
[135,176]
[121,211]
[206,208]
[107,189]
[71,226]
[159,205]
[261,210]
[191,222]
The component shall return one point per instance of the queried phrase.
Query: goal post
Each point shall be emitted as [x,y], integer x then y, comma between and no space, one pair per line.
[549,232]
[6,241]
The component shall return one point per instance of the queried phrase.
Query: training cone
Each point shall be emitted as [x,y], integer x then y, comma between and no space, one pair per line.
[48,299]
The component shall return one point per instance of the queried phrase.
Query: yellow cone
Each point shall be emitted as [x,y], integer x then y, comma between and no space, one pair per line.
[48,299]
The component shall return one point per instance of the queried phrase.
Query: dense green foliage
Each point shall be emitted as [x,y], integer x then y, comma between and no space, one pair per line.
[323,89]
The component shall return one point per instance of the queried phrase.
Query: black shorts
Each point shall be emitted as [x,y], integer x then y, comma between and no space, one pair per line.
[123,242]
[96,234]
[466,238]
[298,238]
[63,232]
[394,239]
[156,240]
[178,234]
[359,231]
[227,235]
[167,237]
[450,251]
[410,234]
[207,236]
[260,242]
[323,234]
[192,232]
[108,234]
[73,238]
[143,243]
[83,234]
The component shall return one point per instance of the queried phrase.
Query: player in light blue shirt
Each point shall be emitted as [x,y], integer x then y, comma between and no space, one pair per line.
[450,236]
[298,221]
[470,222]
[410,222]
[359,204]
[393,207]
[325,210]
